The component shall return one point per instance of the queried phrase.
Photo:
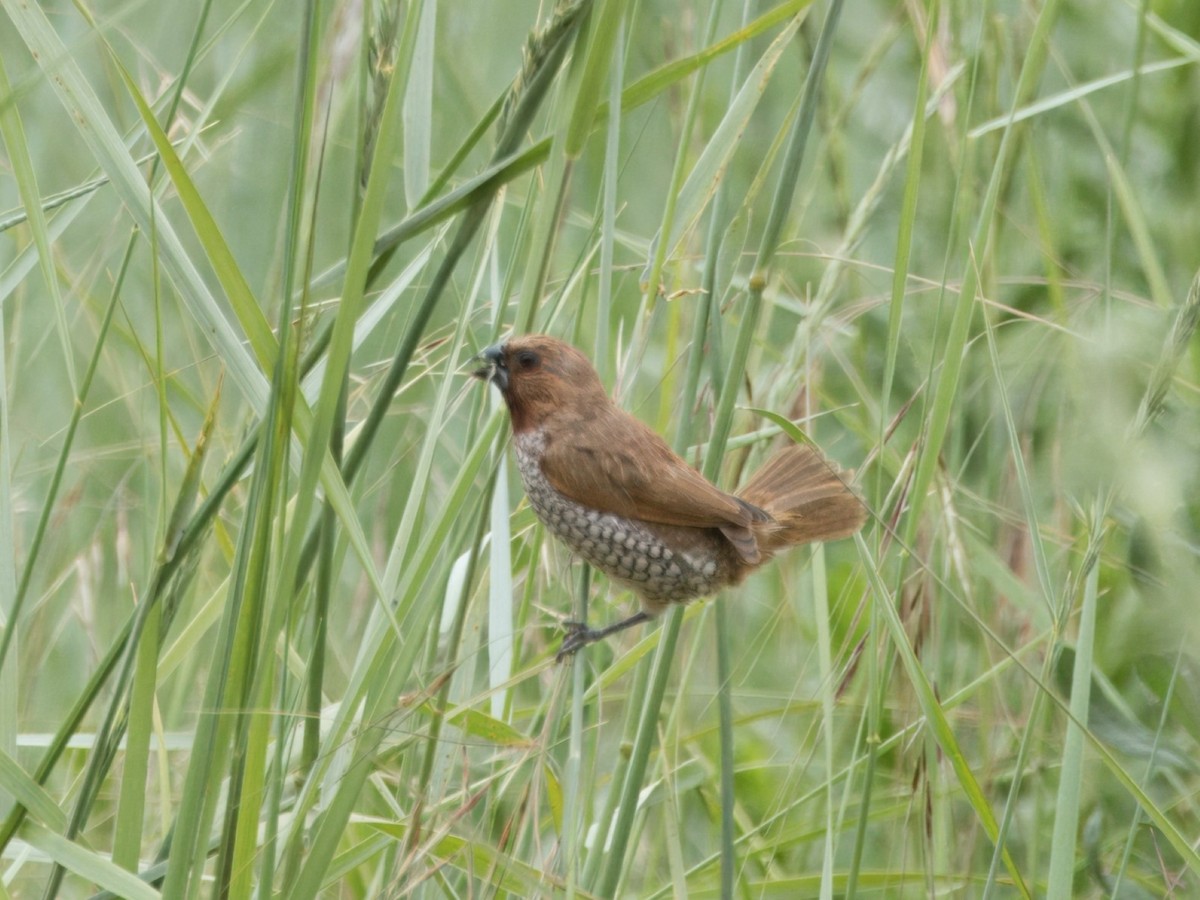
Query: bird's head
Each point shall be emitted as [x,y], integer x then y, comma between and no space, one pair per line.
[541,377]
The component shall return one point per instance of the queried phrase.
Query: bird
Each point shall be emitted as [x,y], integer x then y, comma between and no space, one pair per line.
[611,489]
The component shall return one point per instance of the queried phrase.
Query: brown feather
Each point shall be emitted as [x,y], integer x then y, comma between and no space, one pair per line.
[639,476]
[807,498]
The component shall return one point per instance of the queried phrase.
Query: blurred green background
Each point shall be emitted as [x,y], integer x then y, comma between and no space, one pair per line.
[962,263]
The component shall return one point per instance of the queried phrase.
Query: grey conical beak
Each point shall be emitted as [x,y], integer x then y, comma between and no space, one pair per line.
[494,369]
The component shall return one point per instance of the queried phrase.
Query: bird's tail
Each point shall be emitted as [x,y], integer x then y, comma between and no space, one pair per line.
[806,496]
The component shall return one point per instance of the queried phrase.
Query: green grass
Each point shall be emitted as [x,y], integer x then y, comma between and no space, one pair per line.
[277,618]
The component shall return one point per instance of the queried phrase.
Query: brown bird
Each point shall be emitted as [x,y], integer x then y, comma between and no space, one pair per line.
[613,491]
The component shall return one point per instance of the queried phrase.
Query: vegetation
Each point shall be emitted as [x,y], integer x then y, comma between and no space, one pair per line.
[277,619]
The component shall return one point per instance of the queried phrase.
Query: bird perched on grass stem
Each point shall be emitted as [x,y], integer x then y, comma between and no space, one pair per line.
[613,491]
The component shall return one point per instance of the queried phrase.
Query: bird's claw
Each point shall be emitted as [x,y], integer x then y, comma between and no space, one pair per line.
[578,637]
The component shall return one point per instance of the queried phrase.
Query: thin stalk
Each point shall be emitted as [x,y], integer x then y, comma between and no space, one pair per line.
[573,806]
[709,312]
[622,826]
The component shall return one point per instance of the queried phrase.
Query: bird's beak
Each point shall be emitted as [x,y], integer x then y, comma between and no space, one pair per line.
[493,369]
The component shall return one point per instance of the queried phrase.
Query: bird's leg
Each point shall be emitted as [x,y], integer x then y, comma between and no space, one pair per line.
[579,635]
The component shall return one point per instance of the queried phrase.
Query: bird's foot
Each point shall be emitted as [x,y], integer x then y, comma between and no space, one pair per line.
[578,637]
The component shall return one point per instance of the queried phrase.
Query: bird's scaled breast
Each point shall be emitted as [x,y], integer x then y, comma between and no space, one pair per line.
[661,563]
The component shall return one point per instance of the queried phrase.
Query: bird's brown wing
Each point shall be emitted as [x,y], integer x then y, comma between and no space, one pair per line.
[622,467]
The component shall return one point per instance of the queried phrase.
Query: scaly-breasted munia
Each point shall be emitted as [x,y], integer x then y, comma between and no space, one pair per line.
[616,494]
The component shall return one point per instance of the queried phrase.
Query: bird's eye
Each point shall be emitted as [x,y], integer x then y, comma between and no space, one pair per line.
[527,359]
